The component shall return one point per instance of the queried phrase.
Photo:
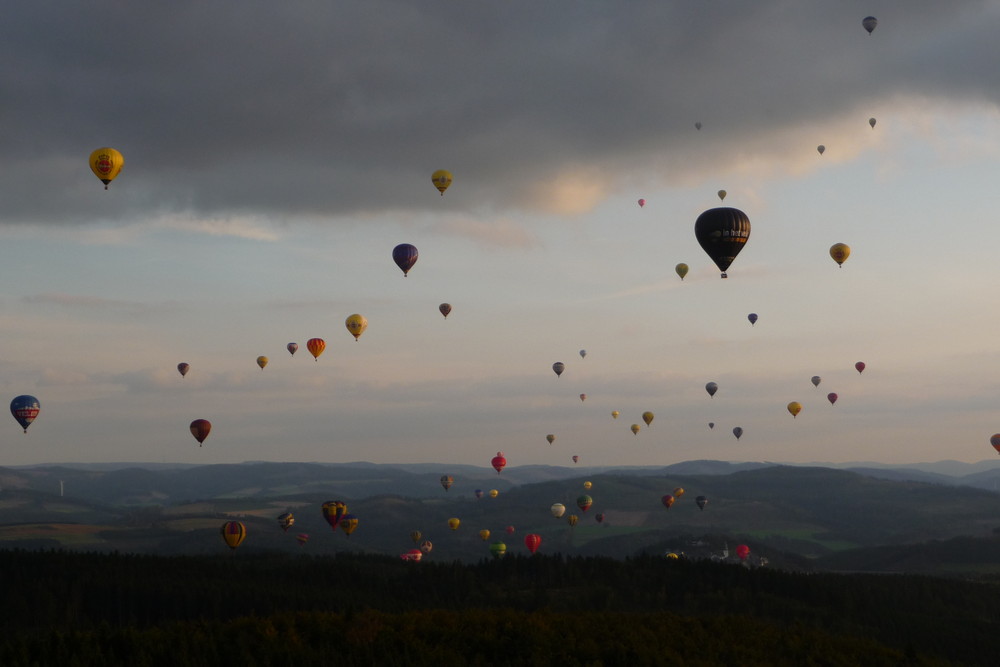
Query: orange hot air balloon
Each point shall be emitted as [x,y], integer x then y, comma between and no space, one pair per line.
[667,500]
[532,541]
[234,532]
[484,534]
[183,368]
[995,441]
[200,428]
[678,492]
[498,462]
[316,347]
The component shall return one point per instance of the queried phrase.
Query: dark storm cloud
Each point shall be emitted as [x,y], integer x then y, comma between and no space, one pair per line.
[333,108]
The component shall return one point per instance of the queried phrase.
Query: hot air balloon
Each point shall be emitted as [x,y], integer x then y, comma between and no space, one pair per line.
[701,501]
[532,541]
[445,309]
[583,397]
[25,409]
[348,524]
[426,547]
[635,429]
[711,388]
[821,149]
[722,195]
[484,534]
[447,481]
[794,408]
[860,366]
[200,428]
[405,256]
[840,252]
[722,233]
[509,530]
[333,512]
[498,549]
[995,441]
[551,438]
[869,23]
[647,417]
[667,500]
[498,462]
[742,551]
[576,459]
[454,523]
[557,510]
[302,538]
[441,180]
[711,424]
[584,502]
[316,347]
[494,493]
[599,518]
[286,521]
[183,368]
[292,348]
[681,270]
[106,163]
[233,533]
[356,324]
[414,555]
[478,493]
[583,354]
[262,361]
[832,397]
[816,380]
[642,202]
[678,491]
[587,485]
[415,536]
[572,520]
[558,367]
[614,414]
[753,318]
[697,126]
[738,431]
[871,121]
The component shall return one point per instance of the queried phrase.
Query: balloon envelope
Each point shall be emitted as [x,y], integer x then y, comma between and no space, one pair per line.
[711,388]
[816,380]
[738,431]
[484,534]
[794,408]
[262,361]
[183,368]
[840,252]
[557,510]
[532,541]
[200,428]
[315,347]
[498,462]
[441,179]
[860,366]
[447,481]
[233,533]
[635,429]
[445,309]
[286,521]
[454,523]
[614,414]
[356,324]
[869,23]
[333,512]
[348,524]
[722,195]
[405,256]
[753,318]
[647,417]
[681,270]
[871,121]
[995,441]
[25,409]
[106,163]
[642,202]
[722,233]
[667,500]
[558,368]
[292,348]
[742,551]
[551,438]
[832,397]
[821,149]
[701,501]
[584,502]
[498,549]
[583,354]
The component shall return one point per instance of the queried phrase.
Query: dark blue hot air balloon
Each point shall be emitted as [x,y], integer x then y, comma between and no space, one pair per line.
[25,408]
[405,256]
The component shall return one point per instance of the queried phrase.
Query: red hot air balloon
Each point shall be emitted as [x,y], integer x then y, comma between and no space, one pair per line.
[509,530]
[200,428]
[995,441]
[860,366]
[832,397]
[642,202]
[498,462]
[742,551]
[316,347]
[584,502]
[667,500]
[533,541]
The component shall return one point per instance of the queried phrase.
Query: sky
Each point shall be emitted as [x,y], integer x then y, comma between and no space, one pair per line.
[275,153]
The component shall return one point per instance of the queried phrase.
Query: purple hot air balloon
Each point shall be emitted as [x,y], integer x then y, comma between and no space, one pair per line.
[753,318]
[405,256]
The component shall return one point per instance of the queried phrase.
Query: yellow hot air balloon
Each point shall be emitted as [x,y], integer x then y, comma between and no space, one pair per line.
[587,485]
[494,493]
[106,163]
[356,324]
[614,414]
[648,418]
[840,252]
[722,195]
[681,269]
[795,408]
[551,438]
[441,179]
[453,523]
[233,533]
[262,361]
[484,534]
[635,429]
[572,519]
